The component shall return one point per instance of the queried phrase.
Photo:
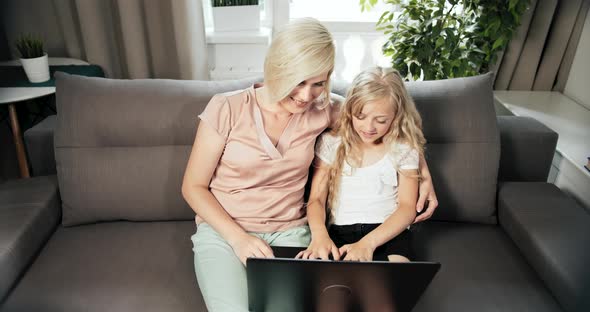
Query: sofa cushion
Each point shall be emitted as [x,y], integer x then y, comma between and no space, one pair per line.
[116,266]
[121,146]
[463,145]
[553,233]
[481,270]
[29,213]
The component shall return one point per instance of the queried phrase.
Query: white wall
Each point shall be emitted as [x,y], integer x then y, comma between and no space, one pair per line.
[32,17]
[577,86]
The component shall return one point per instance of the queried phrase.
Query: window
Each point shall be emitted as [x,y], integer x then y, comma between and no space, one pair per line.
[265,13]
[335,10]
[358,44]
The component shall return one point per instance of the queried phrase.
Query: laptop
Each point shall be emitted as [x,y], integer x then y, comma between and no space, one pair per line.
[285,284]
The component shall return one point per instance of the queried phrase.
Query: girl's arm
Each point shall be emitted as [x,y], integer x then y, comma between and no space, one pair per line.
[426,192]
[396,223]
[321,245]
[202,163]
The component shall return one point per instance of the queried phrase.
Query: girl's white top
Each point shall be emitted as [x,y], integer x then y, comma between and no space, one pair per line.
[367,194]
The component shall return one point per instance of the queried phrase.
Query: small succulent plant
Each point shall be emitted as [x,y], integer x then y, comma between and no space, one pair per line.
[29,46]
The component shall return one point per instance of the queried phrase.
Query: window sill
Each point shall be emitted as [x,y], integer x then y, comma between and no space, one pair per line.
[261,36]
[568,118]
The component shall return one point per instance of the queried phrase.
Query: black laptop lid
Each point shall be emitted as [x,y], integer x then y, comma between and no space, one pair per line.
[314,285]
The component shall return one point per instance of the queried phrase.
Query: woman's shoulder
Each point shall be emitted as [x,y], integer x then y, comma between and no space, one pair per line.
[235,96]
[231,102]
[333,108]
[331,105]
[325,114]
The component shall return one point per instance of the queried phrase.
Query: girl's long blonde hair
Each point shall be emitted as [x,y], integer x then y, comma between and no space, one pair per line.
[374,84]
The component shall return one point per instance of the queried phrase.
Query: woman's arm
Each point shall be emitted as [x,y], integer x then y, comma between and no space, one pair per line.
[321,245]
[202,163]
[397,222]
[426,192]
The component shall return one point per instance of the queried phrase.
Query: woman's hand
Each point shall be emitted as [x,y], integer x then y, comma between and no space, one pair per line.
[359,251]
[249,246]
[426,194]
[320,247]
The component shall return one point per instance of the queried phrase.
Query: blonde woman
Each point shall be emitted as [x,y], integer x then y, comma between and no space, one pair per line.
[249,164]
[367,174]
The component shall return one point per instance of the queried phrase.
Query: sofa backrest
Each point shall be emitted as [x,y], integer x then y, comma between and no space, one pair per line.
[463,144]
[121,146]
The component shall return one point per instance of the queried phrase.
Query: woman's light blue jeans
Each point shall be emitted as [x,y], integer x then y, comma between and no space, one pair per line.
[221,275]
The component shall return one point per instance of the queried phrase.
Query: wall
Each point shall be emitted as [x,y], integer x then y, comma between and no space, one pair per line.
[577,82]
[18,18]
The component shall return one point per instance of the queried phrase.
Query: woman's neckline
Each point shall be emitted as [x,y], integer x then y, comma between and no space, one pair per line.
[259,99]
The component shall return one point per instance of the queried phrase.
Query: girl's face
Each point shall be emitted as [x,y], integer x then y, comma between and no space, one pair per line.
[374,120]
[301,98]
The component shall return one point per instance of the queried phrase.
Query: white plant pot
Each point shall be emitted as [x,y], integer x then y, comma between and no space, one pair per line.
[37,69]
[236,18]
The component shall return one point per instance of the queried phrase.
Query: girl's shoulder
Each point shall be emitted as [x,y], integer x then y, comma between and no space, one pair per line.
[401,147]
[403,154]
[329,140]
[327,146]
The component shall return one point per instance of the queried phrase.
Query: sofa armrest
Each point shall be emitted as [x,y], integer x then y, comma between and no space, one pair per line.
[39,141]
[553,233]
[29,213]
[527,149]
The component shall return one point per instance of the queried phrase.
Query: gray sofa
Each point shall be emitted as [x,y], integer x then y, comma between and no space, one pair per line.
[111,231]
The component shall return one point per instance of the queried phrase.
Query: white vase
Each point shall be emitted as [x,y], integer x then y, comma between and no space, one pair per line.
[236,18]
[37,69]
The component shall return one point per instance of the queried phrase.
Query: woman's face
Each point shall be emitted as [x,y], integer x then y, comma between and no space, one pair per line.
[302,97]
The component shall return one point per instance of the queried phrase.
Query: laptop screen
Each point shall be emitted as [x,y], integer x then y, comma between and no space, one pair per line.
[282,284]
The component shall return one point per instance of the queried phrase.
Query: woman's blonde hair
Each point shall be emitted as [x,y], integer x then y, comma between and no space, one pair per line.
[302,49]
[374,84]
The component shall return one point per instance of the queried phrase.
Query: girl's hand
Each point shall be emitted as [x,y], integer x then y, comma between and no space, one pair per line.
[249,246]
[359,251]
[427,194]
[320,247]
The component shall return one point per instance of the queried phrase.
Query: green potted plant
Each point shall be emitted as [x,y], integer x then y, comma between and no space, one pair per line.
[438,39]
[33,58]
[235,15]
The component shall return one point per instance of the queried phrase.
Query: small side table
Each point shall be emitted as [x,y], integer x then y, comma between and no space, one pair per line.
[13,96]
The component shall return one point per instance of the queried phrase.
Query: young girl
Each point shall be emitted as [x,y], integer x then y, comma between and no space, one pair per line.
[367,174]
